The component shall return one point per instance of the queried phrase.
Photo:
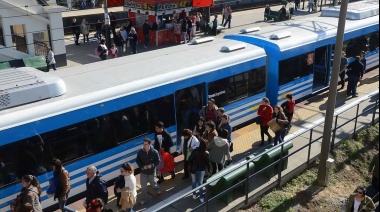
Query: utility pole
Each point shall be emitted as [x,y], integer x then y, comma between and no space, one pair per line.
[322,169]
[107,24]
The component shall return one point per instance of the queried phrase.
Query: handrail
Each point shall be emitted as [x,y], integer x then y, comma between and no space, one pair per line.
[288,138]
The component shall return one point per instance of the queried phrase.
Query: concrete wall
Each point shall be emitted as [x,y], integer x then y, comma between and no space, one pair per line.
[35,19]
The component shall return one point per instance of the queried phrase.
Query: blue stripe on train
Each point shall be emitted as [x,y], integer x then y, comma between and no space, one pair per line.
[15,189]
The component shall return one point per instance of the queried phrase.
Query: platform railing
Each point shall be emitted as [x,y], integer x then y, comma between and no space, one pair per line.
[371,109]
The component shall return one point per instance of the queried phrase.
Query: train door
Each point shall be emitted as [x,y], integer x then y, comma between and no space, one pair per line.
[321,67]
[188,103]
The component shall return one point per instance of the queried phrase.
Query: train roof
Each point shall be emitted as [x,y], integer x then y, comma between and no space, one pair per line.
[302,32]
[106,80]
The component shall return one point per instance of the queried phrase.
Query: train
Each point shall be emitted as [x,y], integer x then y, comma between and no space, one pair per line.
[98,114]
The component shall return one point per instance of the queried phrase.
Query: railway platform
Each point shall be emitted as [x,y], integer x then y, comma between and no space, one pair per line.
[246,142]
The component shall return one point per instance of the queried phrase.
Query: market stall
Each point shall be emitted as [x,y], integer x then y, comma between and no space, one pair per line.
[159,13]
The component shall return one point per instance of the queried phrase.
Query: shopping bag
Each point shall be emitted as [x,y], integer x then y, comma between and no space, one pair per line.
[273,125]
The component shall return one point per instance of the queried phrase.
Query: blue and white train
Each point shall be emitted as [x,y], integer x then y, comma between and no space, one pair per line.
[102,111]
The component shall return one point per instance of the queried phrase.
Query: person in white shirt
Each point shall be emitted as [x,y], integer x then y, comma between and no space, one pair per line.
[50,60]
[188,143]
[125,183]
[69,4]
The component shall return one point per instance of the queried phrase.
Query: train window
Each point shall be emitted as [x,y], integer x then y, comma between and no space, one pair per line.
[133,122]
[28,156]
[161,110]
[237,87]
[257,81]
[72,142]
[354,46]
[295,67]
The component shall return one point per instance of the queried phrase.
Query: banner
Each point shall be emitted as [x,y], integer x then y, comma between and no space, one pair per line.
[114,3]
[203,3]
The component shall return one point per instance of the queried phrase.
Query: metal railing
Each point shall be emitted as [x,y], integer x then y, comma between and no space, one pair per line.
[309,128]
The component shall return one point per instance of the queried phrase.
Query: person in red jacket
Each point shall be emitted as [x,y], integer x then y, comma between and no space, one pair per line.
[288,107]
[265,112]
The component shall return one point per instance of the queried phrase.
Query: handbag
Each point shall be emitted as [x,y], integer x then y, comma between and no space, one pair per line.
[50,192]
[127,199]
[273,125]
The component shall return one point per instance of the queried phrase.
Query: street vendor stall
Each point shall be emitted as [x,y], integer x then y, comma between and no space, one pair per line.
[159,13]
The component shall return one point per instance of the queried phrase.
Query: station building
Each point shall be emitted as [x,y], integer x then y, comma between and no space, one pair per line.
[27,26]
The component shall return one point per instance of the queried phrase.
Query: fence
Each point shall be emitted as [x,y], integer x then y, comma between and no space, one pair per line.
[370,110]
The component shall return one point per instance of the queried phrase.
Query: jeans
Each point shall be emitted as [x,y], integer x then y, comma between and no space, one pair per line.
[144,179]
[342,77]
[120,51]
[197,180]
[184,34]
[99,34]
[216,166]
[264,130]
[85,38]
[228,21]
[146,40]
[189,32]
[52,66]
[278,137]
[62,204]
[134,49]
[352,84]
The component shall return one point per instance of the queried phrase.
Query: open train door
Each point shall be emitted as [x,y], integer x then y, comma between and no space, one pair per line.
[188,103]
[321,67]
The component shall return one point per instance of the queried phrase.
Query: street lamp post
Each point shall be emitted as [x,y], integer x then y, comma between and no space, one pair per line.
[107,24]
[322,178]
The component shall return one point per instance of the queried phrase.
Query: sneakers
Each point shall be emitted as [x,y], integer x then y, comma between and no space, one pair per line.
[202,200]
[194,196]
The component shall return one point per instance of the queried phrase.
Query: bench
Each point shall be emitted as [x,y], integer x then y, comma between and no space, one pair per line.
[4,65]
[275,16]
[228,177]
[38,62]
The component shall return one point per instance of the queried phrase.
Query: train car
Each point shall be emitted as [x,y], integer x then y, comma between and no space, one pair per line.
[104,110]
[300,52]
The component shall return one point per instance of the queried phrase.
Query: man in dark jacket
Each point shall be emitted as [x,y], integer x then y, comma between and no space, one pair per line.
[95,186]
[355,72]
[75,27]
[146,28]
[147,160]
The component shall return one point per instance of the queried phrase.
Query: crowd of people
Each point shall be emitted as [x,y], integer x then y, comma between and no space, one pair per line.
[206,150]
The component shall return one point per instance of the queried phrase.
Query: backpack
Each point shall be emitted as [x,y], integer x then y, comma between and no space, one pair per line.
[98,51]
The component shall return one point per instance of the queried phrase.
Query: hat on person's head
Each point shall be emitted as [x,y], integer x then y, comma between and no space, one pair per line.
[212,101]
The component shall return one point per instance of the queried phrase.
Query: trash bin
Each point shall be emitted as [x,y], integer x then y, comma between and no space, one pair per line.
[271,156]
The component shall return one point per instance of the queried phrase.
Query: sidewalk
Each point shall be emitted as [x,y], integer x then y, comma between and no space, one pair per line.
[246,142]
[84,54]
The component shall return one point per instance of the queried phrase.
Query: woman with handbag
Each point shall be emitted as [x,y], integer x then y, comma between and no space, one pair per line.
[30,193]
[188,143]
[280,118]
[125,188]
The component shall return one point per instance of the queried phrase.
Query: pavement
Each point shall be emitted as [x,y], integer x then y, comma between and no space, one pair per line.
[246,140]
[84,53]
